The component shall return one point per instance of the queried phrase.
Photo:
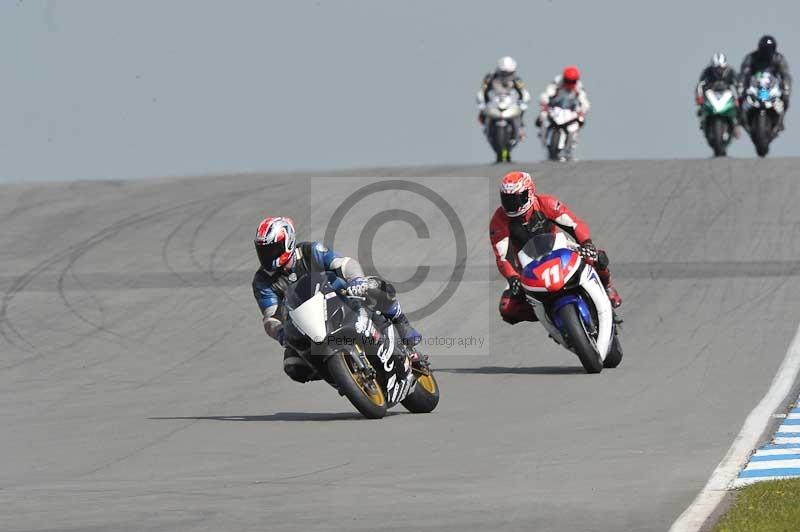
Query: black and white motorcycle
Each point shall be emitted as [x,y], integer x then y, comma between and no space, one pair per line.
[561,127]
[762,109]
[503,109]
[354,349]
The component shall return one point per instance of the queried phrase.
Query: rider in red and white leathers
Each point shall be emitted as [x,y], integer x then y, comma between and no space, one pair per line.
[570,81]
[523,214]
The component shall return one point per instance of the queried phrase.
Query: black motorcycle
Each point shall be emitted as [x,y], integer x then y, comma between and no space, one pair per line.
[762,110]
[355,349]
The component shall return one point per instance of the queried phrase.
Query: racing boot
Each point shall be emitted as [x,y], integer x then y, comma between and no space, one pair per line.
[408,334]
[611,290]
[297,368]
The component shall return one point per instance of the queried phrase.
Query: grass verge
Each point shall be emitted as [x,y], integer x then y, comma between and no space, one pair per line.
[771,506]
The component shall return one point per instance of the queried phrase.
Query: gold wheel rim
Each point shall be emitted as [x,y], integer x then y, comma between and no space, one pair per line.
[376,394]
[427,381]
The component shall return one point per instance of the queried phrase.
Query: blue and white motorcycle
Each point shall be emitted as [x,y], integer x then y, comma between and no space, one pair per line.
[569,299]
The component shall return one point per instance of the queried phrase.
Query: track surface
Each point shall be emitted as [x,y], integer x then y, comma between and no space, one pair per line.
[138,391]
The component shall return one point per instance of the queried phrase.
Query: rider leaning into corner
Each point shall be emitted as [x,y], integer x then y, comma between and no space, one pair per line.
[283,261]
[504,78]
[767,57]
[717,75]
[569,81]
[522,215]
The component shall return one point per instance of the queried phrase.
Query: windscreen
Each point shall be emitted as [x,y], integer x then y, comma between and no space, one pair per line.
[540,245]
[305,288]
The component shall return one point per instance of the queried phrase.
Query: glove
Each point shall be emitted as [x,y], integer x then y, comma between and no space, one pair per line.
[515,285]
[588,251]
[538,122]
[358,287]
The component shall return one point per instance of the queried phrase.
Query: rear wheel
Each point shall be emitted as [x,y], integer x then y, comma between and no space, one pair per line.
[365,393]
[580,340]
[762,134]
[425,396]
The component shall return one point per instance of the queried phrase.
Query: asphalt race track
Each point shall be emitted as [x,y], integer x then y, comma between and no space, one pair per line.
[138,391]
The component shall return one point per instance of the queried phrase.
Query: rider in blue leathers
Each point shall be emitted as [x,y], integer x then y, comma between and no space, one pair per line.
[283,261]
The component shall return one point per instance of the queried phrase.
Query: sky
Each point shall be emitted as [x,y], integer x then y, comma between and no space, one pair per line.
[109,89]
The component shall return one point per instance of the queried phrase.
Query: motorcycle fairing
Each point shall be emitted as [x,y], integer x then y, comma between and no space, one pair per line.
[551,273]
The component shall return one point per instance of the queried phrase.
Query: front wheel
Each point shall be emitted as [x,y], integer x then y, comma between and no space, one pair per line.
[762,134]
[425,396]
[501,143]
[365,394]
[579,339]
[553,152]
[614,356]
[716,130]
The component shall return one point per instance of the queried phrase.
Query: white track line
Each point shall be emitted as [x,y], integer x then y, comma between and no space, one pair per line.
[693,518]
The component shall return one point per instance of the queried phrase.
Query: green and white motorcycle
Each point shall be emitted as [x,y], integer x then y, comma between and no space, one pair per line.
[719,115]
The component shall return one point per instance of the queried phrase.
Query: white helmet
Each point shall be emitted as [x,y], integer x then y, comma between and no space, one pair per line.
[719,60]
[506,65]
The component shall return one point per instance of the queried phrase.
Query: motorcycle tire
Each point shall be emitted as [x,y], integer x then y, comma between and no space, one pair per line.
[716,128]
[503,143]
[614,356]
[579,339]
[368,398]
[425,396]
[553,153]
[762,134]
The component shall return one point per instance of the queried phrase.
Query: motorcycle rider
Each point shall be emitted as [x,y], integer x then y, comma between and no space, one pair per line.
[568,81]
[523,214]
[283,261]
[504,78]
[767,57]
[718,74]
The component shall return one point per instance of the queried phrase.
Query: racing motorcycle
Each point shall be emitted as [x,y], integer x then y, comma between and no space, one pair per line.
[569,299]
[762,110]
[719,113]
[355,349]
[502,109]
[563,122]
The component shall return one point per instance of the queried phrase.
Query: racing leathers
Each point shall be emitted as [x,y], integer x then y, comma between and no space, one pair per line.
[508,235]
[270,289]
[551,92]
[501,83]
[755,62]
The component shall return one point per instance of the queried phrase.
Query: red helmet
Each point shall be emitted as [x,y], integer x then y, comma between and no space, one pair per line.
[571,75]
[516,193]
[275,243]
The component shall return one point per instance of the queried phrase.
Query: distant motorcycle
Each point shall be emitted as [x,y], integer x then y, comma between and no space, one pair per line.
[354,349]
[568,298]
[762,110]
[719,115]
[563,122]
[502,109]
